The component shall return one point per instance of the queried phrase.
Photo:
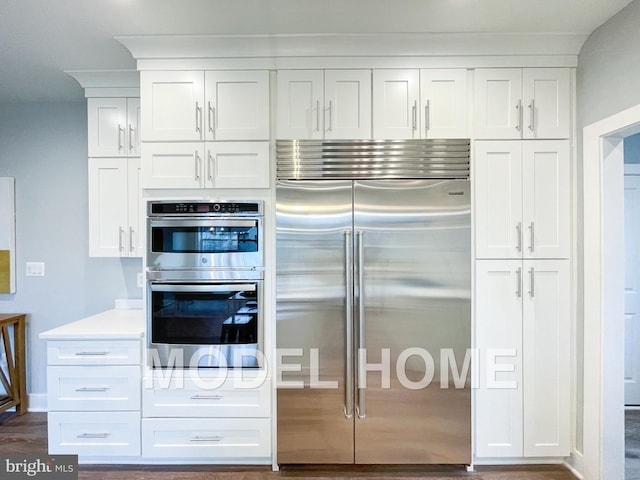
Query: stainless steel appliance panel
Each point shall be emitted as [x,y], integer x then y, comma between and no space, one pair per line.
[412,286]
[313,246]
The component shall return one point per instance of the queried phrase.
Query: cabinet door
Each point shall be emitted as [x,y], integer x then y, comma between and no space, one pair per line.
[106,123]
[134,121]
[347,104]
[546,198]
[498,103]
[499,341]
[395,104]
[300,104]
[172,105]
[173,165]
[237,165]
[107,207]
[135,208]
[498,199]
[237,105]
[546,94]
[443,99]
[546,359]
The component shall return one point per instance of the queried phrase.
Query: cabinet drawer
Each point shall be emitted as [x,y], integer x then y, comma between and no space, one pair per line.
[93,388]
[189,400]
[86,433]
[205,437]
[90,352]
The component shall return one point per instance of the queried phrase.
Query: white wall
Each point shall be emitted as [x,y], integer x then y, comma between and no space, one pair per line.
[44,146]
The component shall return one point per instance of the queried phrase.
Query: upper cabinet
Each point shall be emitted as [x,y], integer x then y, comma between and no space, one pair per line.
[198,105]
[317,104]
[428,103]
[515,103]
[113,127]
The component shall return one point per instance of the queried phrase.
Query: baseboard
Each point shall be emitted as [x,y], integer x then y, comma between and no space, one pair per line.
[37,402]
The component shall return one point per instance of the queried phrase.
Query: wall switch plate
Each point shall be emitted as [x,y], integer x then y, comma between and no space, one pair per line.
[35,269]
[139,280]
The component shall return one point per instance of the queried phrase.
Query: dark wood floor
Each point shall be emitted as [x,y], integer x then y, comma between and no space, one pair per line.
[28,434]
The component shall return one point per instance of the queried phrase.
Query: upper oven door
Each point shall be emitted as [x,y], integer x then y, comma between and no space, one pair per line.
[178,243]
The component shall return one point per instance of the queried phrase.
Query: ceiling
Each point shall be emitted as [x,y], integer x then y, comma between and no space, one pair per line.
[40,39]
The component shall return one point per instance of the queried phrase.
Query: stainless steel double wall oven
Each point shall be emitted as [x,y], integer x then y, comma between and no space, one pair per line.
[205,270]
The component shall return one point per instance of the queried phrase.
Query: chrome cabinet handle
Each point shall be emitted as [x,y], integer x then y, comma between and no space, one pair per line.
[93,435]
[88,354]
[348,271]
[532,237]
[92,389]
[532,115]
[198,118]
[361,323]
[197,165]
[317,115]
[206,438]
[120,232]
[519,110]
[414,113]
[519,231]
[209,165]
[330,119]
[211,117]
[519,282]
[427,120]
[120,137]
[131,143]
[132,246]
[206,397]
[532,279]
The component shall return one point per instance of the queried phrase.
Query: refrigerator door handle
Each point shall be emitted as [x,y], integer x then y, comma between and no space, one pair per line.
[348,272]
[361,321]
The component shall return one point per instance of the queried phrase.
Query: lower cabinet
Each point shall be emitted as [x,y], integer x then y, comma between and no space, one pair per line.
[523,337]
[94,397]
[225,421]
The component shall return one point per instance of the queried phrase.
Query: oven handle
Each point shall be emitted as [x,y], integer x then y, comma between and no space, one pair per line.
[181,222]
[181,287]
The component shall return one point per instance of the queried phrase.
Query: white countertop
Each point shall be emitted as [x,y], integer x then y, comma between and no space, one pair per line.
[109,325]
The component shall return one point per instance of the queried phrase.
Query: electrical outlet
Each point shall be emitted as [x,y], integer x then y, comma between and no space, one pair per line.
[35,269]
[139,280]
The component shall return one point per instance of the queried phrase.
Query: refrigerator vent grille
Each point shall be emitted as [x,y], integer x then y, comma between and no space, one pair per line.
[359,159]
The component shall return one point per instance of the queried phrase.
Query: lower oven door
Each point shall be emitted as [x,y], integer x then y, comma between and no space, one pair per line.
[212,324]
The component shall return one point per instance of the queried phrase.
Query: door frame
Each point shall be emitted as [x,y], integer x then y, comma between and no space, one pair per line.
[603,295]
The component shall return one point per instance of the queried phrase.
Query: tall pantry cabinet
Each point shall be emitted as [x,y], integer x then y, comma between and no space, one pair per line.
[522,201]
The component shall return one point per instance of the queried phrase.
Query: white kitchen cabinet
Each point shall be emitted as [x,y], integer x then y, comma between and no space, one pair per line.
[515,103]
[523,337]
[94,397]
[237,105]
[197,105]
[113,127]
[115,221]
[205,165]
[427,103]
[329,104]
[443,101]
[522,199]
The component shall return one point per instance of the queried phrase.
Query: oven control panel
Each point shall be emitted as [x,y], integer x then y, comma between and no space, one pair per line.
[205,208]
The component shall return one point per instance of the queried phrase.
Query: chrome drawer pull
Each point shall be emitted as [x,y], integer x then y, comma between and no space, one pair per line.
[86,354]
[206,397]
[212,438]
[93,435]
[92,389]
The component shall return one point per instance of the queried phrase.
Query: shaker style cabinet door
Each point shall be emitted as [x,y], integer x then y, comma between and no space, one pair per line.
[396,103]
[499,407]
[498,199]
[237,165]
[300,104]
[107,127]
[545,97]
[443,101]
[498,103]
[347,104]
[174,165]
[237,105]
[172,105]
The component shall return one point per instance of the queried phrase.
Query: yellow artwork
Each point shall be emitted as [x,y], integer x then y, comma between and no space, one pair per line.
[5,271]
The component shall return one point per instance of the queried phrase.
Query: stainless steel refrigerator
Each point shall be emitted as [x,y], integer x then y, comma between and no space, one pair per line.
[373,302]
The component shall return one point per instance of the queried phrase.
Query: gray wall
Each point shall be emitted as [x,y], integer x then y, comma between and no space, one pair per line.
[44,146]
